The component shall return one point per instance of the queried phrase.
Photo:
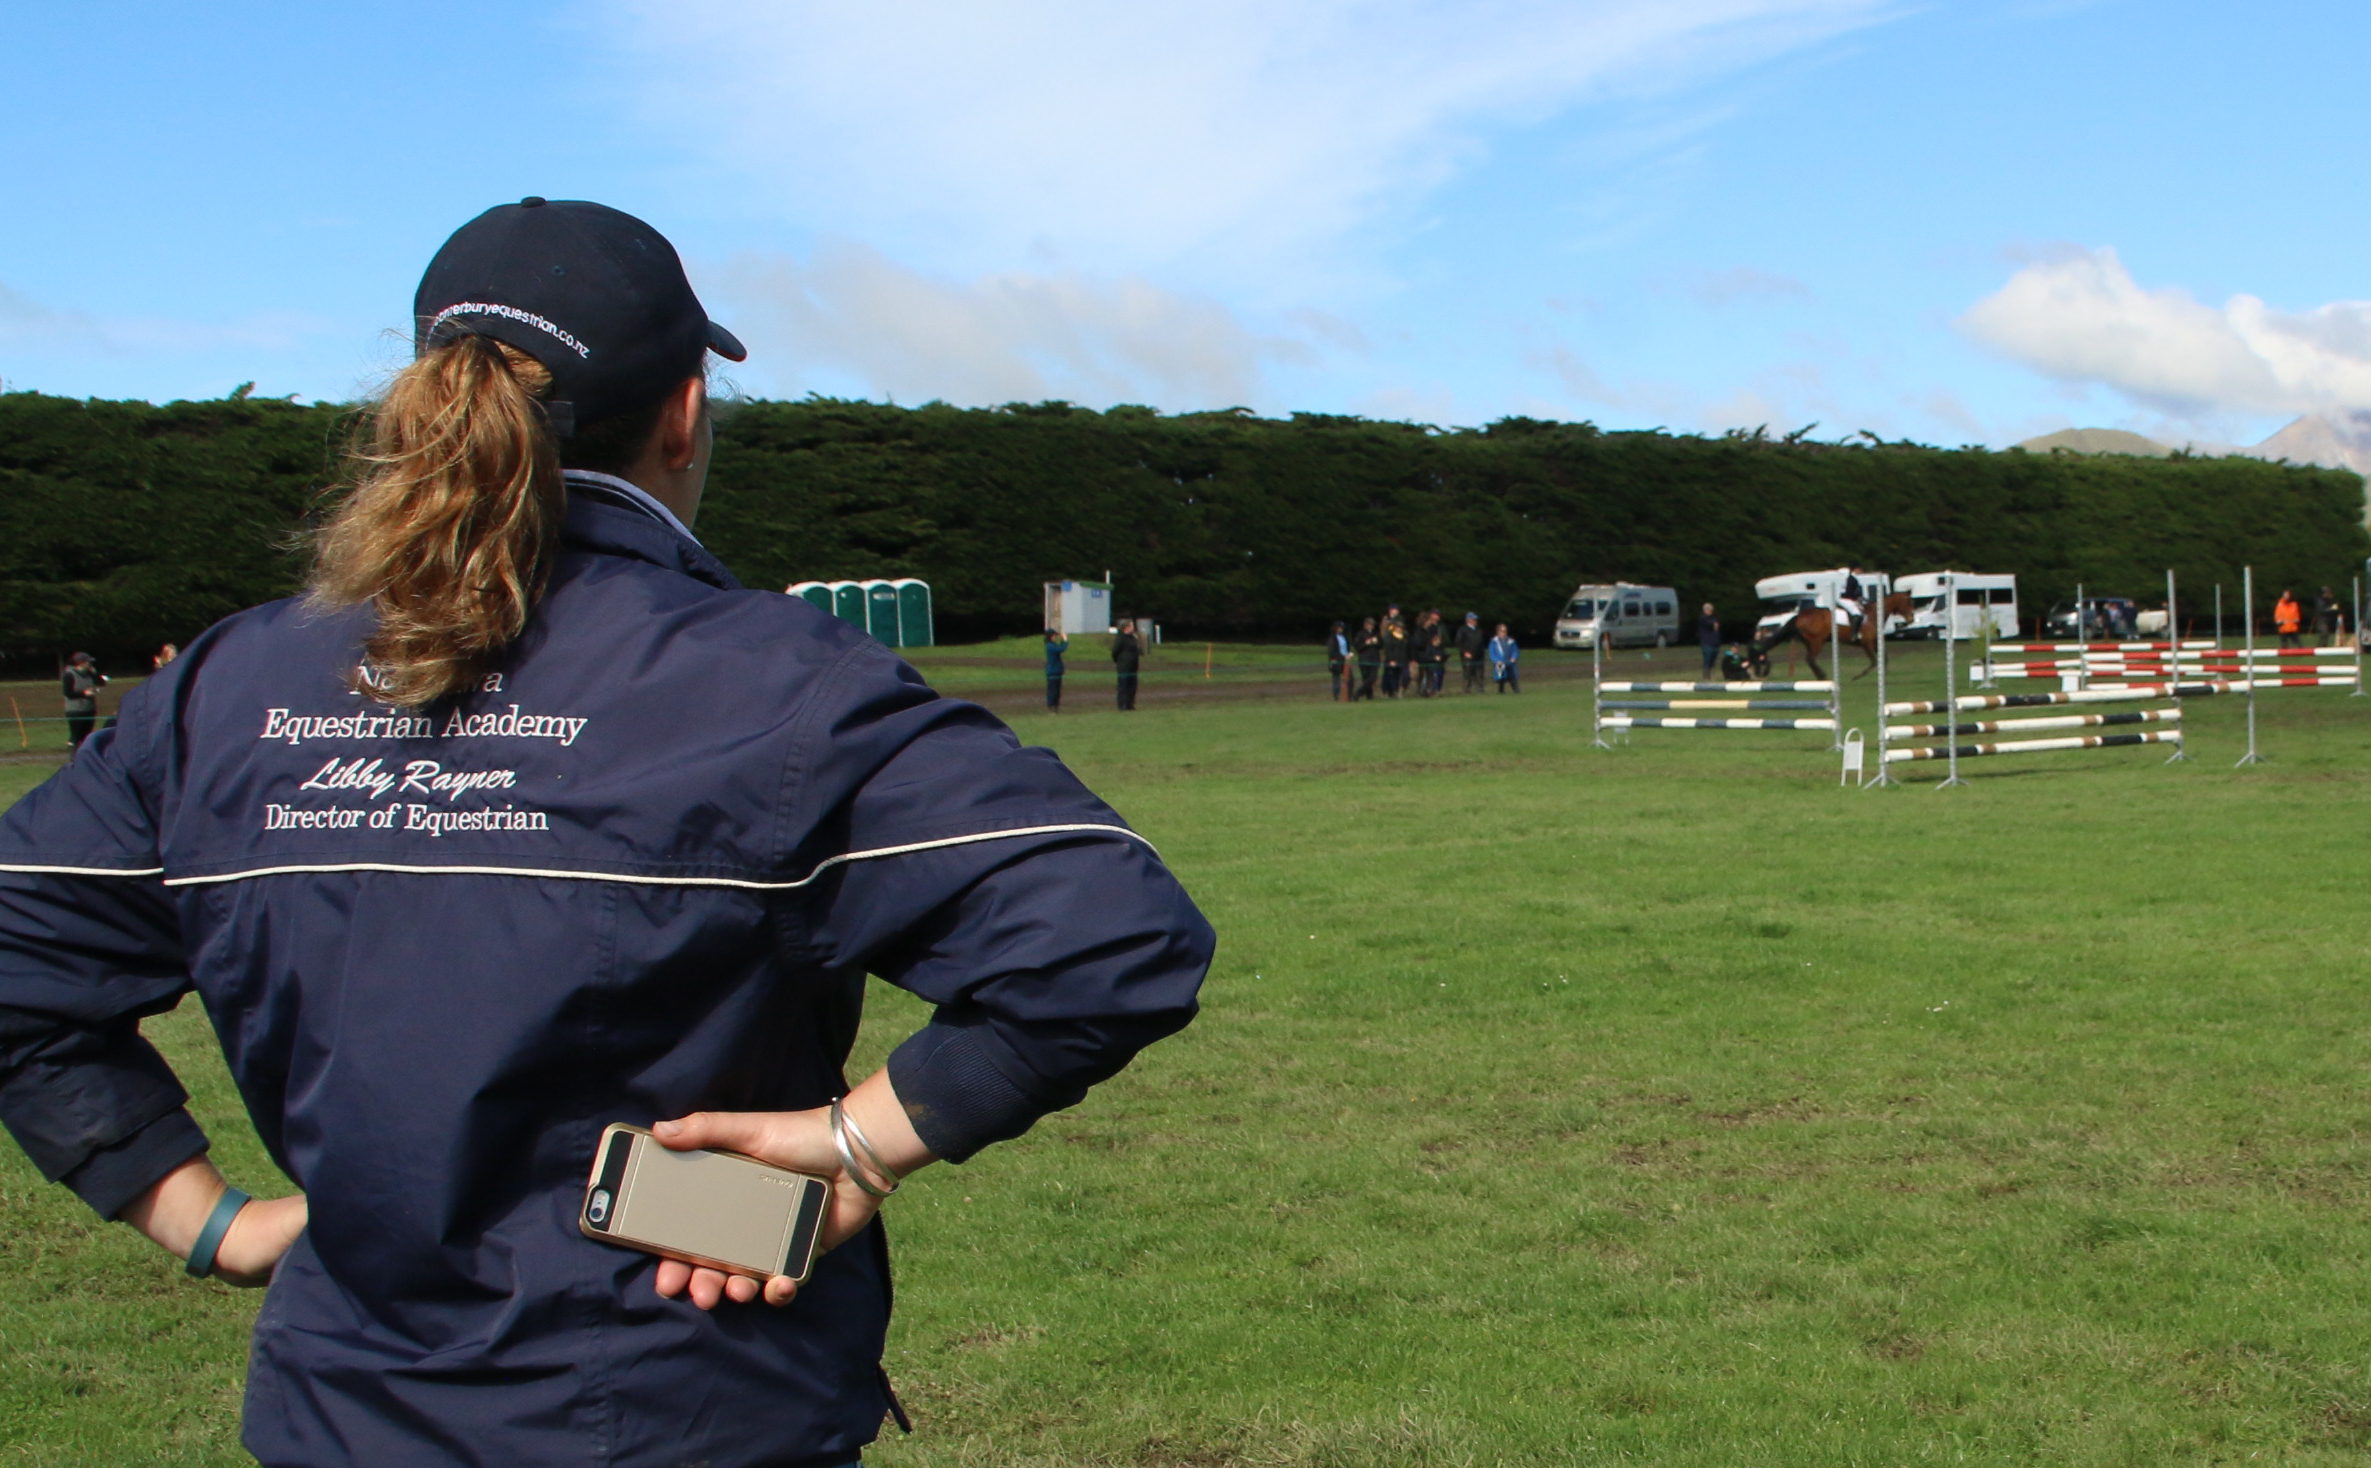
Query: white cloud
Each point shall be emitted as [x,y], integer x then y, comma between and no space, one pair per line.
[1010,336]
[2080,317]
[1227,139]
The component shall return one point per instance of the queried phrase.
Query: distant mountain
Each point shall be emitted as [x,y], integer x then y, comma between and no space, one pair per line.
[2342,441]
[2096,441]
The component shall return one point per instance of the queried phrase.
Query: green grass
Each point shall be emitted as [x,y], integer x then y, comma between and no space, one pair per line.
[1664,1105]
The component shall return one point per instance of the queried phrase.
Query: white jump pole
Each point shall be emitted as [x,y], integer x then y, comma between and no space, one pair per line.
[2218,616]
[1836,674]
[2082,634]
[2356,632]
[1884,775]
[2247,595]
[1984,620]
[1597,684]
[1951,670]
[2173,638]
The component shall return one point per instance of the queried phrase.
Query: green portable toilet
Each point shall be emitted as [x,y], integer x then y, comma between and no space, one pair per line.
[913,613]
[814,594]
[847,601]
[880,608]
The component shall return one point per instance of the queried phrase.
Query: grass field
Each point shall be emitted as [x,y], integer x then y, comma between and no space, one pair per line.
[1664,1105]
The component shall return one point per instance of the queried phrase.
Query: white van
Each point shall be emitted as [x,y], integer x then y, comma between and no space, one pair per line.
[1979,597]
[1623,614]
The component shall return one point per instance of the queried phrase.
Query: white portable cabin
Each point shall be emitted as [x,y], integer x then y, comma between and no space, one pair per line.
[1978,596]
[1073,607]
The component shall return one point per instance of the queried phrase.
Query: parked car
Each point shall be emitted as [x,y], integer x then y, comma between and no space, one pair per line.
[2110,617]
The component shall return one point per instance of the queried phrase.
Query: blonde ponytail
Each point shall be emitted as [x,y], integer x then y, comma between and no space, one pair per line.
[451,525]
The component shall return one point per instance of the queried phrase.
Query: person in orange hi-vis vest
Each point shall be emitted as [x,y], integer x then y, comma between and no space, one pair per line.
[2288,619]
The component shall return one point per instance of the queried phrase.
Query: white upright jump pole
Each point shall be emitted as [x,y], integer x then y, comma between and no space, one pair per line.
[1836,678]
[2082,635]
[1984,623]
[1884,774]
[1951,675]
[2356,632]
[2173,638]
[2247,594]
[1597,683]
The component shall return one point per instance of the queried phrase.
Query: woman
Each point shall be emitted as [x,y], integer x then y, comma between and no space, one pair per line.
[1337,662]
[1126,652]
[467,857]
[1369,648]
[1504,658]
[80,684]
[1057,643]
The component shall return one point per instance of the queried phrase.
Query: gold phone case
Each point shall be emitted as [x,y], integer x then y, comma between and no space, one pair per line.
[718,1209]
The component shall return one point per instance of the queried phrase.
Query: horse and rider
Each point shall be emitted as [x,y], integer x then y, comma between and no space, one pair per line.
[1813,625]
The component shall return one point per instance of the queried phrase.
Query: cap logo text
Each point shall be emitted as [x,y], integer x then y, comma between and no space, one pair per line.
[511,313]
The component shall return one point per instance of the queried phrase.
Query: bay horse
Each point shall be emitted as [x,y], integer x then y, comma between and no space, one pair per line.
[1811,626]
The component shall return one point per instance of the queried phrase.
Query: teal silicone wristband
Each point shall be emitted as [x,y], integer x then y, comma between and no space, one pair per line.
[218,1223]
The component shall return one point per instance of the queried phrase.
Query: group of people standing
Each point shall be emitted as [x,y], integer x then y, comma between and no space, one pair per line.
[2288,618]
[1389,652]
[1127,652]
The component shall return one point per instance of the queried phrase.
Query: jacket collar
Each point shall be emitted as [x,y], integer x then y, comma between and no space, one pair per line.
[608,523]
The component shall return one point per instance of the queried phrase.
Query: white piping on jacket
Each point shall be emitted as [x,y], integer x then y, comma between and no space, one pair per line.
[494,871]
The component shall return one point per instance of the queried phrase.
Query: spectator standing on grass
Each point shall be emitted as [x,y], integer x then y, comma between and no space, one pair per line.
[1432,655]
[1503,657]
[1369,647]
[648,918]
[1126,653]
[1708,638]
[80,684]
[1472,645]
[1395,652]
[2288,619]
[1337,663]
[1057,643]
[2325,617]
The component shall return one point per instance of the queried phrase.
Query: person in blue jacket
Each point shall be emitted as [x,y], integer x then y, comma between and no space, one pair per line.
[459,883]
[1506,658]
[1057,643]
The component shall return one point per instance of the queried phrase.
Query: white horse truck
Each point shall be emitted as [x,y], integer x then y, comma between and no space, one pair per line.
[1979,596]
[1623,614]
[1799,591]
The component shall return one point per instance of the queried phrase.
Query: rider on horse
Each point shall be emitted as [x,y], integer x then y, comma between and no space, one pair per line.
[1852,600]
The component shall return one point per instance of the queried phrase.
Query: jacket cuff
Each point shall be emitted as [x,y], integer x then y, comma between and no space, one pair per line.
[110,1178]
[958,1096]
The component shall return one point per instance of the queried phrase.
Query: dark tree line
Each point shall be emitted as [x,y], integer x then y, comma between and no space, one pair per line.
[125,524]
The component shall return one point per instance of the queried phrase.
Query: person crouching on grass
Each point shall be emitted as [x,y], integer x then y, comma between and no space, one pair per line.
[664,920]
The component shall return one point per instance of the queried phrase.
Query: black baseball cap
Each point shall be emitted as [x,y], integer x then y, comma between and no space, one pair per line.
[594,294]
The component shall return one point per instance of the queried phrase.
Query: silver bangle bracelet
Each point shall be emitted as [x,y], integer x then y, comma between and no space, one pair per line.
[841,1129]
[864,1144]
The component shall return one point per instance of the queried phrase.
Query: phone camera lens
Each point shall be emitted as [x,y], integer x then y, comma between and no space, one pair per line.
[597,1207]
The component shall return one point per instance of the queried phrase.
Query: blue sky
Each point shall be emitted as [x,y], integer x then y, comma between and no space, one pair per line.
[1953,222]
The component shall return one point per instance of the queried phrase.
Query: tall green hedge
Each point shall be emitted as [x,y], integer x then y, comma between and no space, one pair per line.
[124,524]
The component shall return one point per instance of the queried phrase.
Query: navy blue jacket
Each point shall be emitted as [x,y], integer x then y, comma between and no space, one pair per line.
[642,871]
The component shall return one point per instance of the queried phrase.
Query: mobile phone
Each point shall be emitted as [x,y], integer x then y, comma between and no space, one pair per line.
[719,1209]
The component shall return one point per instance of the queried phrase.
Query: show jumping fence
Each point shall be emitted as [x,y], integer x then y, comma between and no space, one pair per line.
[1892,735]
[1703,711]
